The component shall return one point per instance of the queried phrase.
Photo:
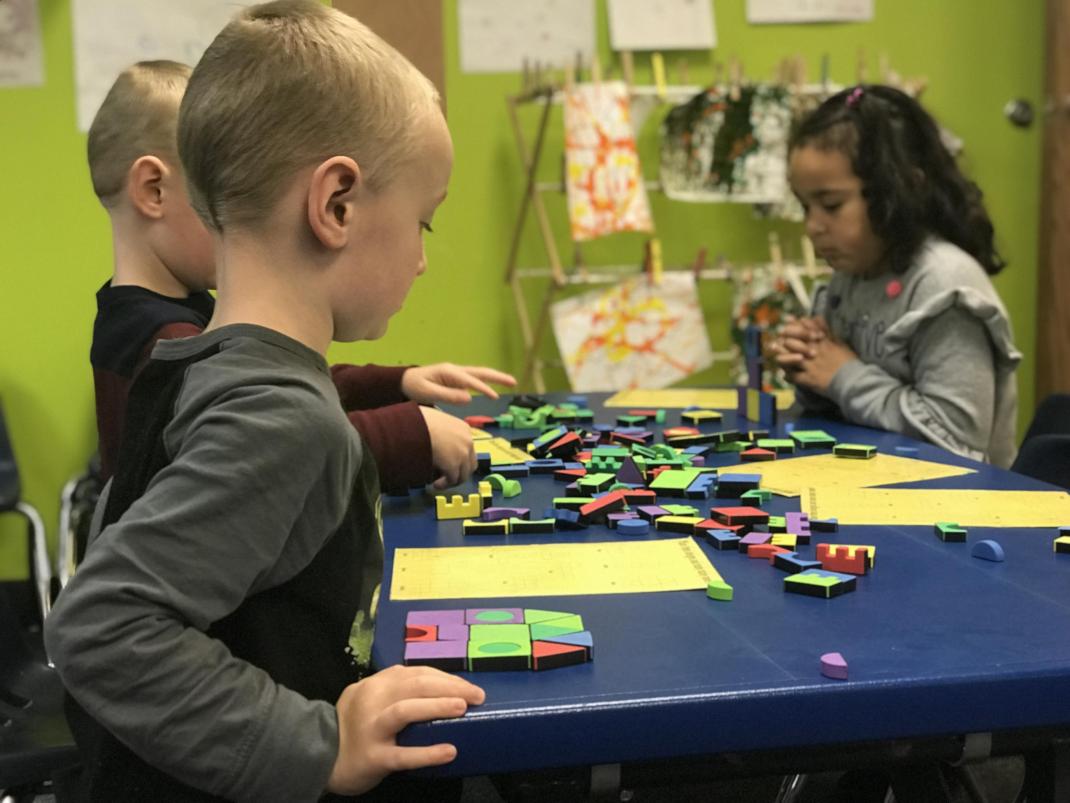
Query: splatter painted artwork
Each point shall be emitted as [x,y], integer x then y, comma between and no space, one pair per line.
[603,180]
[634,334]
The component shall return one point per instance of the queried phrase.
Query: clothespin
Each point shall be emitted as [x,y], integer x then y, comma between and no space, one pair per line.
[525,76]
[799,77]
[735,75]
[627,68]
[809,260]
[579,65]
[776,256]
[699,263]
[657,65]
[654,266]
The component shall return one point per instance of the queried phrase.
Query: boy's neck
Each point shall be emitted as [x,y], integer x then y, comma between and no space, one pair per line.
[261,281]
[137,264]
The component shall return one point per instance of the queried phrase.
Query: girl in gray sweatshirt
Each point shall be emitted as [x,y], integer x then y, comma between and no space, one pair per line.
[909,335]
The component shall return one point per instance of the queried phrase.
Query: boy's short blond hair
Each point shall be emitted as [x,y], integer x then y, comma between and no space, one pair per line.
[139,117]
[284,86]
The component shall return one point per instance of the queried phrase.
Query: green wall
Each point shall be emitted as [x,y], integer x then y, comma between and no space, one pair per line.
[56,247]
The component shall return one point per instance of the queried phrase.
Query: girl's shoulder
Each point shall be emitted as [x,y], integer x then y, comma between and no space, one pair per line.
[941,265]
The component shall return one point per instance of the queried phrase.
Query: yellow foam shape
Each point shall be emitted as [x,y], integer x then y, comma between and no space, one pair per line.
[537,570]
[911,506]
[712,398]
[789,476]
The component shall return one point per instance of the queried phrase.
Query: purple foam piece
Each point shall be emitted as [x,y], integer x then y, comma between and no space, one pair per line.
[439,618]
[834,666]
[633,527]
[651,512]
[614,519]
[698,461]
[453,632]
[798,523]
[636,431]
[430,650]
[753,539]
[499,513]
[494,616]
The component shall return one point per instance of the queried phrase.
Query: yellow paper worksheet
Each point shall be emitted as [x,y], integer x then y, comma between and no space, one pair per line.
[614,567]
[789,476]
[502,453]
[709,398]
[967,508]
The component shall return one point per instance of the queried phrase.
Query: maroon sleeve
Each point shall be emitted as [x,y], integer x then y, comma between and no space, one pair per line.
[112,390]
[365,387]
[397,437]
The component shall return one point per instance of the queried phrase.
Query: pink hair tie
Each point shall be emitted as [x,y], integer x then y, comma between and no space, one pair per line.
[854,97]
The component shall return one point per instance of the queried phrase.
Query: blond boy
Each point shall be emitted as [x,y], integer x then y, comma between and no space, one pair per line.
[164,263]
[204,639]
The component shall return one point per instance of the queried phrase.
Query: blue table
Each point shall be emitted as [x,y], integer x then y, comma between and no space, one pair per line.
[940,644]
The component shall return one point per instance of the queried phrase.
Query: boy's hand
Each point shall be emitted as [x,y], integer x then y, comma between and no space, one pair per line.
[373,711]
[452,452]
[816,372]
[450,384]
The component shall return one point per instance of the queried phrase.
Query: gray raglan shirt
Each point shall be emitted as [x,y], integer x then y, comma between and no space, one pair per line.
[264,463]
[935,361]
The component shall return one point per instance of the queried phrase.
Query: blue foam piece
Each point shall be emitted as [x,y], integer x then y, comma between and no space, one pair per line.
[512,472]
[583,639]
[987,550]
[633,526]
[566,519]
[748,478]
[789,427]
[906,450]
[579,400]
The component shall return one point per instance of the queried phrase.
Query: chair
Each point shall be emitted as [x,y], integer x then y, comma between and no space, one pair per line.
[77,503]
[1045,452]
[35,743]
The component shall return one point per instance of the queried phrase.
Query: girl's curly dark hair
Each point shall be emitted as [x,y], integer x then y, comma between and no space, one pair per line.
[910,180]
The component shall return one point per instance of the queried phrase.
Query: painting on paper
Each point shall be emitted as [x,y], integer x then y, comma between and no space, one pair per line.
[634,334]
[604,183]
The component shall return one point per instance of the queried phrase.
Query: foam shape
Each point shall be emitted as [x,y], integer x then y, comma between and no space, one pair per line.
[833,665]
[439,618]
[988,550]
[719,590]
[633,527]
[493,616]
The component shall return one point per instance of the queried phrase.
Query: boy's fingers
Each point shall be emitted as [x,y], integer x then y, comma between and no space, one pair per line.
[491,375]
[420,709]
[436,683]
[411,758]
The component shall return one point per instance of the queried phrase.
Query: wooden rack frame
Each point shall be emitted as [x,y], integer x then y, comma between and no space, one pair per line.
[561,276]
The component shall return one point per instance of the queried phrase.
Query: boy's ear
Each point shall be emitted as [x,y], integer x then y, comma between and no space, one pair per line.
[144,185]
[332,196]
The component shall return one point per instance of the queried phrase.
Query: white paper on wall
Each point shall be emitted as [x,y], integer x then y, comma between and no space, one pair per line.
[498,35]
[661,25]
[110,35]
[21,59]
[767,11]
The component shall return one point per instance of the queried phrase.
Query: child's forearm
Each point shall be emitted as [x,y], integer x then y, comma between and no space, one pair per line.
[951,398]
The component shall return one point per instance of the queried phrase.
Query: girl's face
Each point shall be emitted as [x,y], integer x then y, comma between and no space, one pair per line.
[837,216]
